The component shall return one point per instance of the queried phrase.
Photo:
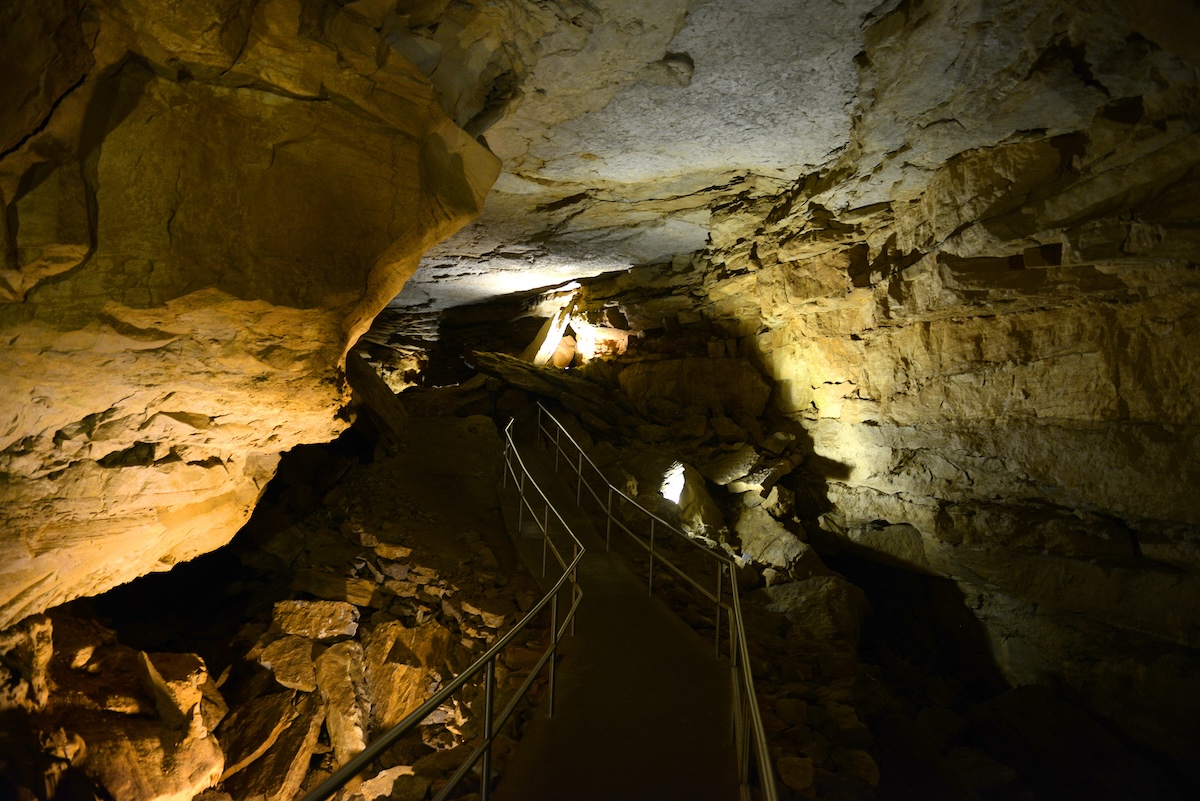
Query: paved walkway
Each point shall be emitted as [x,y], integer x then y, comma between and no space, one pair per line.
[642,708]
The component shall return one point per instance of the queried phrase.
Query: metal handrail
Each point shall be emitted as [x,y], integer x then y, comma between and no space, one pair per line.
[486,663]
[748,733]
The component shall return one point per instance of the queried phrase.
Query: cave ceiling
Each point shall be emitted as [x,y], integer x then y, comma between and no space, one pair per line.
[623,125]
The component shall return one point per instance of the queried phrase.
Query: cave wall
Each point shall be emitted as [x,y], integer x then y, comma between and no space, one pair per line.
[205,205]
[985,315]
[999,358]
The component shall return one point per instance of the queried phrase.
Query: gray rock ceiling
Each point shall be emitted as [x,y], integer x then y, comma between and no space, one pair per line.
[622,124]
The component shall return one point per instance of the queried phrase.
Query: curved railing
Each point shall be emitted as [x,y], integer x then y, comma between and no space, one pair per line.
[749,737]
[486,664]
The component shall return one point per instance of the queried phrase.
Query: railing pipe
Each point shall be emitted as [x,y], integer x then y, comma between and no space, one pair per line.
[746,719]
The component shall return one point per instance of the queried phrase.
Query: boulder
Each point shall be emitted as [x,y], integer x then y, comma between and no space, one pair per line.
[699,514]
[317,620]
[766,540]
[25,652]
[401,666]
[827,608]
[730,466]
[138,759]
[278,773]
[174,681]
[290,658]
[340,680]
[253,728]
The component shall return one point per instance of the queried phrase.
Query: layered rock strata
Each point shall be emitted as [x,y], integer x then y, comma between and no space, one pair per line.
[204,208]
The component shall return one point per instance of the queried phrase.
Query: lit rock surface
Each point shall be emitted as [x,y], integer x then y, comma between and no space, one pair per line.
[340,681]
[984,326]
[200,219]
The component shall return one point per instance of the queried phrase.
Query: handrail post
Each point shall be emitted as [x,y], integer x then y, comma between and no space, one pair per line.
[574,584]
[557,447]
[521,504]
[608,522]
[545,536]
[553,650]
[579,477]
[650,583]
[717,636]
[489,698]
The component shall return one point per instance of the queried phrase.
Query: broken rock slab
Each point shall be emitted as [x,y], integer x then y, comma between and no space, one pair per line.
[827,608]
[766,540]
[253,728]
[340,680]
[25,652]
[317,620]
[731,466]
[278,773]
[401,665]
[140,759]
[174,681]
[763,478]
[290,659]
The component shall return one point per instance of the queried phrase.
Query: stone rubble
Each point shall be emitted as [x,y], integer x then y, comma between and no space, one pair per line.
[318,677]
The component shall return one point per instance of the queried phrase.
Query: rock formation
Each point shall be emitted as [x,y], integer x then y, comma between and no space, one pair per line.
[912,280]
[204,208]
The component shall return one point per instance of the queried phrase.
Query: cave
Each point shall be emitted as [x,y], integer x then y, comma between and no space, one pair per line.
[887,307]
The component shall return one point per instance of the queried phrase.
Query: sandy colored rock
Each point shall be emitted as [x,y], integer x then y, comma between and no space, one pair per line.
[174,681]
[383,783]
[144,760]
[824,607]
[716,384]
[343,689]
[277,774]
[316,620]
[253,728]
[226,243]
[766,540]
[290,659]
[393,552]
[26,649]
[401,664]
[730,466]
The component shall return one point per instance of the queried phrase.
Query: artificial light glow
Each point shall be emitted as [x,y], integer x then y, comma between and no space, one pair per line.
[672,486]
[596,341]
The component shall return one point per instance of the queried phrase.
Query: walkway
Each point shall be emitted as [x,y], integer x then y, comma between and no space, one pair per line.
[642,708]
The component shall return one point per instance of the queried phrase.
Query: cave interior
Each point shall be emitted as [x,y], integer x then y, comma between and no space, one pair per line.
[889,302]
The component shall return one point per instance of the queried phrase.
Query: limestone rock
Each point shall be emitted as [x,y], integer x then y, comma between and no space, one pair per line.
[218,241]
[384,782]
[253,728]
[174,681]
[290,659]
[135,759]
[733,465]
[278,773]
[762,479]
[1030,726]
[826,608]
[765,539]
[340,680]
[795,772]
[699,514]
[716,384]
[316,620]
[26,649]
[401,666]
